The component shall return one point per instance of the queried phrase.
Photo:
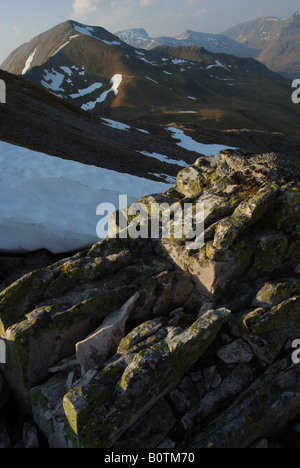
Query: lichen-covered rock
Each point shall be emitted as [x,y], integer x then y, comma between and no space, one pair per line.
[274,292]
[245,215]
[268,331]
[150,430]
[97,348]
[264,408]
[190,182]
[237,352]
[238,380]
[204,358]
[46,323]
[152,373]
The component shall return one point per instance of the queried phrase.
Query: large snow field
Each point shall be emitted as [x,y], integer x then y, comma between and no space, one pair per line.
[50,203]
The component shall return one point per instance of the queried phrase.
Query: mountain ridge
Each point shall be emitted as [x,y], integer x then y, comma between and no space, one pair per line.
[278,39]
[271,40]
[138,37]
[94,70]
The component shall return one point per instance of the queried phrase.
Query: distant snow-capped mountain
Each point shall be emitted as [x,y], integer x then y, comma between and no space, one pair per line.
[212,42]
[273,41]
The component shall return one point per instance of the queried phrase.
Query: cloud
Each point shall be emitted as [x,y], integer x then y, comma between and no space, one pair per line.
[18,33]
[83,8]
[158,17]
[193,2]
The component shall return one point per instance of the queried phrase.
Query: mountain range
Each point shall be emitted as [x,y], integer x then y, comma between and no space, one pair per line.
[217,43]
[97,72]
[273,41]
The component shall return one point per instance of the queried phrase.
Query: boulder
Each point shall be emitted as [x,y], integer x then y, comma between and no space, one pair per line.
[152,373]
[97,348]
[261,410]
[267,332]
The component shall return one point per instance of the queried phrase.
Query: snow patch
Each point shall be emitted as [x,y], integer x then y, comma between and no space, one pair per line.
[53,80]
[116,125]
[116,81]
[165,159]
[28,62]
[84,92]
[147,77]
[88,30]
[217,64]
[60,48]
[50,203]
[188,143]
[67,70]
[178,61]
[113,43]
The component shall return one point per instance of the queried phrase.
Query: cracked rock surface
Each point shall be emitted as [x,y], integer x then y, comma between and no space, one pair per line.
[176,347]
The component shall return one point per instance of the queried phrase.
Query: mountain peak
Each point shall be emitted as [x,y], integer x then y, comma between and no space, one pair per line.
[296,16]
[134,31]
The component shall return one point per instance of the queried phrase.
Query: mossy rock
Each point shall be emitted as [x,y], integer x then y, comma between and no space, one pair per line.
[190,182]
[99,419]
[274,293]
[267,332]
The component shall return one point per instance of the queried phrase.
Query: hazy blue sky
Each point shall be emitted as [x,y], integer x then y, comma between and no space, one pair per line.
[20,20]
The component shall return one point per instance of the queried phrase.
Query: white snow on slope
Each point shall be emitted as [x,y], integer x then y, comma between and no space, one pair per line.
[116,125]
[163,158]
[48,202]
[88,30]
[60,48]
[28,62]
[150,79]
[67,70]
[89,90]
[217,64]
[116,81]
[53,80]
[114,43]
[178,61]
[188,143]
[141,56]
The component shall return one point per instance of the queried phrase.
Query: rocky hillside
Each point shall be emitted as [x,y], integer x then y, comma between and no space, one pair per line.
[258,33]
[145,343]
[282,54]
[93,70]
[35,119]
[278,40]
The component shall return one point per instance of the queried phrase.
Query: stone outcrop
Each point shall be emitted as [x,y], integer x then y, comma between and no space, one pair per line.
[146,343]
